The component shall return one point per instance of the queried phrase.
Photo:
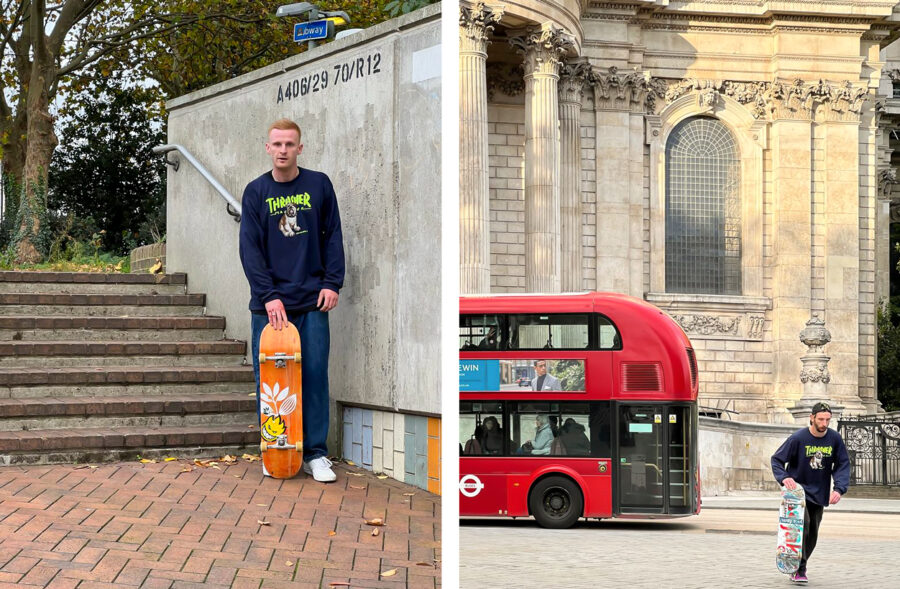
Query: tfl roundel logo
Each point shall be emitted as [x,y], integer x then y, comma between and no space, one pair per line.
[470,485]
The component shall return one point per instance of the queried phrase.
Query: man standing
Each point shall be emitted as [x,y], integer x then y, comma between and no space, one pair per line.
[292,251]
[813,455]
[544,381]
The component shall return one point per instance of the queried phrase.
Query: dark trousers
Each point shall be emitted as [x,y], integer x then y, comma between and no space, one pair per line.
[812,517]
[315,342]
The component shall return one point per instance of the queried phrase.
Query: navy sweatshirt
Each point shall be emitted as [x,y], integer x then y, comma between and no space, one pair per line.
[291,245]
[812,461]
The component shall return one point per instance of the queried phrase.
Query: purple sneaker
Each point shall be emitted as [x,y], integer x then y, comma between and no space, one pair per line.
[799,578]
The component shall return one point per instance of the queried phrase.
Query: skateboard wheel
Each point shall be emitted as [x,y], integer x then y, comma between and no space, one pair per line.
[262,358]
[263,446]
[297,357]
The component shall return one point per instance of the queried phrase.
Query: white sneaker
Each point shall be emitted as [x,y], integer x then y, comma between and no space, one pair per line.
[320,469]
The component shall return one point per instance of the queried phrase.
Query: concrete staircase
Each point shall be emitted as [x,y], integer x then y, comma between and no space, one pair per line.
[101,367]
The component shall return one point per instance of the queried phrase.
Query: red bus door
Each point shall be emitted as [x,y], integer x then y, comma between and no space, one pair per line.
[655,469]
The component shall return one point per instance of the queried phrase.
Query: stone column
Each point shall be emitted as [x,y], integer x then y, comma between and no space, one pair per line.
[571,92]
[543,50]
[476,24]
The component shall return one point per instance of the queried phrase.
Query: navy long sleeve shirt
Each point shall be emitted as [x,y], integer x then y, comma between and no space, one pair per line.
[291,244]
[812,461]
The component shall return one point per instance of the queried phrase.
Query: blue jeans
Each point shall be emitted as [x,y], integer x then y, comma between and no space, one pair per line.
[314,342]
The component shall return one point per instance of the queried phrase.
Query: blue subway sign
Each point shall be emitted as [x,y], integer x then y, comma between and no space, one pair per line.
[313,30]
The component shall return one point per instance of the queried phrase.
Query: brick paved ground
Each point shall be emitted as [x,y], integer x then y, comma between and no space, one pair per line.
[153,525]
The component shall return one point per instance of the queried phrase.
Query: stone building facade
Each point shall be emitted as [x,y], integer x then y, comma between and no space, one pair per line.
[727,160]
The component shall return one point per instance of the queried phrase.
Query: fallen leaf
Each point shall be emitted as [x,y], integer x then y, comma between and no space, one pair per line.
[187,469]
[147,461]
[339,584]
[332,533]
[389,573]
[288,564]
[262,523]
[355,474]
[375,521]
[216,467]
[250,457]
[356,487]
[382,476]
[229,459]
[376,531]
[424,564]
[408,494]
[251,394]
[237,476]
[251,426]
[170,459]
[351,463]
[262,504]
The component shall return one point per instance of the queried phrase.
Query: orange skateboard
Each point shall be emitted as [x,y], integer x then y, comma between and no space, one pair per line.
[280,396]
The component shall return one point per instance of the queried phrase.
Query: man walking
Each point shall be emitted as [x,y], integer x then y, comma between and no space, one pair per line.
[292,251]
[811,457]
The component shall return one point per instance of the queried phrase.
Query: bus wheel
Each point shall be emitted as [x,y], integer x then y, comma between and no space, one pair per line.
[556,502]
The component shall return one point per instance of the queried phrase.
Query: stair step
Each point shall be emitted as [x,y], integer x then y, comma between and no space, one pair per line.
[127,406]
[115,443]
[32,328]
[123,375]
[61,354]
[91,283]
[61,413]
[174,390]
[97,305]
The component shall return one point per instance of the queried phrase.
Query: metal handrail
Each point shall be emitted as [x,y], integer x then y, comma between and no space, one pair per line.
[233,207]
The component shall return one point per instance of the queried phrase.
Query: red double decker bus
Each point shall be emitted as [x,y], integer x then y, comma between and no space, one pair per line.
[581,405]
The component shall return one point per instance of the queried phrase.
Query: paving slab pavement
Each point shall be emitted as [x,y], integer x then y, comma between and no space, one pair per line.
[179,525]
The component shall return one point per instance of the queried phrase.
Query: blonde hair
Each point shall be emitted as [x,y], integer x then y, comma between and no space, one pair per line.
[285,125]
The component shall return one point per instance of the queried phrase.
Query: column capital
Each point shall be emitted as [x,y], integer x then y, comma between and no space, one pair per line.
[477,23]
[544,48]
[573,75]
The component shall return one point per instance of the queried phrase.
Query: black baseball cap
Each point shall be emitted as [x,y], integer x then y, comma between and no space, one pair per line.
[820,407]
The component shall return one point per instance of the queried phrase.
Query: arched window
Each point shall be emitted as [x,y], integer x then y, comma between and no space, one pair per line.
[703,209]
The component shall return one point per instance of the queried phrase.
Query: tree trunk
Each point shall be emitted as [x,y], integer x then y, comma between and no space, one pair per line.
[38,153]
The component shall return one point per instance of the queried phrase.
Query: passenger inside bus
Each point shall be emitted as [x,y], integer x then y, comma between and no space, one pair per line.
[573,438]
[492,436]
[543,437]
[473,445]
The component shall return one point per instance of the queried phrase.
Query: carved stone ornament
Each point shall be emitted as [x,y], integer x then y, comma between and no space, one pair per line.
[477,23]
[506,78]
[708,324]
[572,77]
[766,100]
[886,180]
[543,48]
[815,374]
[815,336]
[633,91]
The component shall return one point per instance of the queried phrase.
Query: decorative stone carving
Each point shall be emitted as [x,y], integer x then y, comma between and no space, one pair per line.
[815,374]
[477,23]
[506,78]
[543,48]
[708,324]
[635,91]
[886,180]
[797,100]
[572,77]
[815,335]
[755,325]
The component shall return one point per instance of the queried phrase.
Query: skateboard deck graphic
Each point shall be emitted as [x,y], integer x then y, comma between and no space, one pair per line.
[790,530]
[280,396]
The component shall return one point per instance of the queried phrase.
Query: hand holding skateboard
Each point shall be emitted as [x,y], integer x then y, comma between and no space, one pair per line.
[277,315]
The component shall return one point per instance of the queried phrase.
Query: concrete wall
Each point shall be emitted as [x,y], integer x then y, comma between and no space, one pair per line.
[737,456]
[376,132]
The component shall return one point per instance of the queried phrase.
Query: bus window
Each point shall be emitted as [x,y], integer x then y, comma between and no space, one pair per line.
[609,337]
[549,332]
[480,428]
[483,332]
